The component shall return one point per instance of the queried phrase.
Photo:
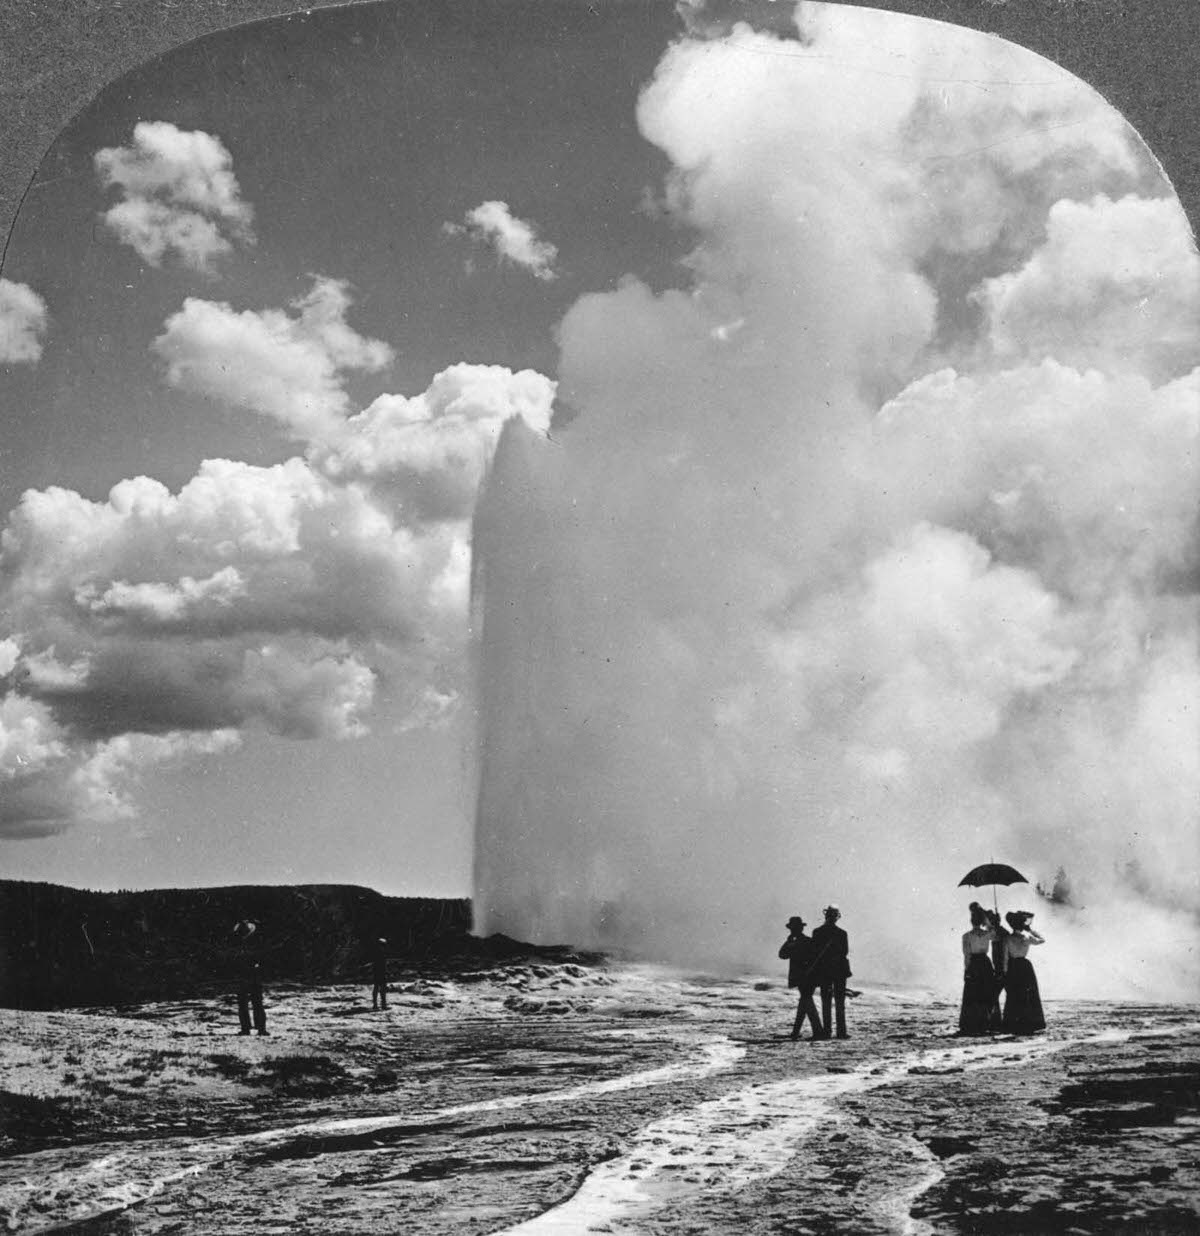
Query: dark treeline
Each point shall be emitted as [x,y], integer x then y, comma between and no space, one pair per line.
[63,947]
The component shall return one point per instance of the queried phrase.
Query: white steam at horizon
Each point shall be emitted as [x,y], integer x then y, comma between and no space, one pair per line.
[870,555]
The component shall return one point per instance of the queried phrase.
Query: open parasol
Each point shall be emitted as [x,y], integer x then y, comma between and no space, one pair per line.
[993,874]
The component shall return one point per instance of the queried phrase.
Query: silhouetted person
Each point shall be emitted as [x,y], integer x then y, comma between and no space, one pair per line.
[999,963]
[832,970]
[801,955]
[379,974]
[249,978]
[979,977]
[1023,1007]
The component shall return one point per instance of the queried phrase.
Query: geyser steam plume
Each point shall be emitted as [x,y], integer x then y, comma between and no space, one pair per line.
[869,553]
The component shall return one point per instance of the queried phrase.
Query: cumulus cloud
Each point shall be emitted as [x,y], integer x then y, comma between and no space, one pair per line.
[10,650]
[70,781]
[288,366]
[513,240]
[239,548]
[433,448]
[178,196]
[799,610]
[288,598]
[23,323]
[1116,286]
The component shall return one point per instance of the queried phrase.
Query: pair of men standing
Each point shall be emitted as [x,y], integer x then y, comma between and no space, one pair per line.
[820,960]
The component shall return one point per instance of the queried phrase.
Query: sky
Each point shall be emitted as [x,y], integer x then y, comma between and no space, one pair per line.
[361,156]
[830,378]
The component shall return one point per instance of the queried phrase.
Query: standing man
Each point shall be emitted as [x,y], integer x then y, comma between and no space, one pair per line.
[832,969]
[379,974]
[801,954]
[249,978]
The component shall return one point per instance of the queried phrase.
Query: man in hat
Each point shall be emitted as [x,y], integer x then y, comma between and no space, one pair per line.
[832,969]
[249,978]
[379,974]
[800,953]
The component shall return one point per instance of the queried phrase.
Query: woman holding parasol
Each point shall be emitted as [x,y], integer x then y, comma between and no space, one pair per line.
[984,953]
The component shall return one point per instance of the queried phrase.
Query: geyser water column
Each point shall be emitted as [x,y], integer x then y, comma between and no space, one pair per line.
[833,585]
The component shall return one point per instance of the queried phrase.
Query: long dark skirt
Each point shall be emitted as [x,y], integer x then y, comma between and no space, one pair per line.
[979,996]
[1023,1008]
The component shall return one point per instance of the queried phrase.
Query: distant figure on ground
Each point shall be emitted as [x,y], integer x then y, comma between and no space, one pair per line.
[999,965]
[379,974]
[801,955]
[979,977]
[249,978]
[1023,1007]
[832,969]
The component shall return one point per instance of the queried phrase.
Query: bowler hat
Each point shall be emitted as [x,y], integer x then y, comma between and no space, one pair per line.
[796,921]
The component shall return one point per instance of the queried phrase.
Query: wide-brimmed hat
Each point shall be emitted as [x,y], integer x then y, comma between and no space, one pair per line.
[796,921]
[832,910]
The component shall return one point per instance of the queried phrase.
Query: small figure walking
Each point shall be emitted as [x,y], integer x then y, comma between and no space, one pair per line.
[249,978]
[979,978]
[833,969]
[801,954]
[1023,1008]
[379,974]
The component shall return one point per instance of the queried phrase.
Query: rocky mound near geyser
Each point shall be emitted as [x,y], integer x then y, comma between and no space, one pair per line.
[63,947]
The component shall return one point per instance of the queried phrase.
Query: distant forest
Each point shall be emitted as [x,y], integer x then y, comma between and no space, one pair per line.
[64,947]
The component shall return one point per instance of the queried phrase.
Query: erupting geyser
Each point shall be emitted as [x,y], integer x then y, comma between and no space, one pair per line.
[868,554]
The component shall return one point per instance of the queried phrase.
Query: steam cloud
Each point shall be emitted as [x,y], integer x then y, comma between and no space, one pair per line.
[869,555]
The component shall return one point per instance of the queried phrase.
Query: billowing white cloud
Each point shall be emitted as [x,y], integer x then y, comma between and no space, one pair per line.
[1004,454]
[276,597]
[286,597]
[288,366]
[870,553]
[164,602]
[10,651]
[179,195]
[952,639]
[1115,287]
[28,737]
[23,322]
[239,548]
[433,448]
[513,240]
[48,780]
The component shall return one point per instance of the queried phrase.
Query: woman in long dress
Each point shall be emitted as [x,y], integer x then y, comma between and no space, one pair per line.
[979,977]
[1023,1007]
[999,958]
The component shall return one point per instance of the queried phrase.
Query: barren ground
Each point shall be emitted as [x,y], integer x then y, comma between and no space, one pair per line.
[559,1099]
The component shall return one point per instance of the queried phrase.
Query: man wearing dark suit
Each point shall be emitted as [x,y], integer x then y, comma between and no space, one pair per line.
[379,974]
[800,953]
[832,969]
[249,978]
